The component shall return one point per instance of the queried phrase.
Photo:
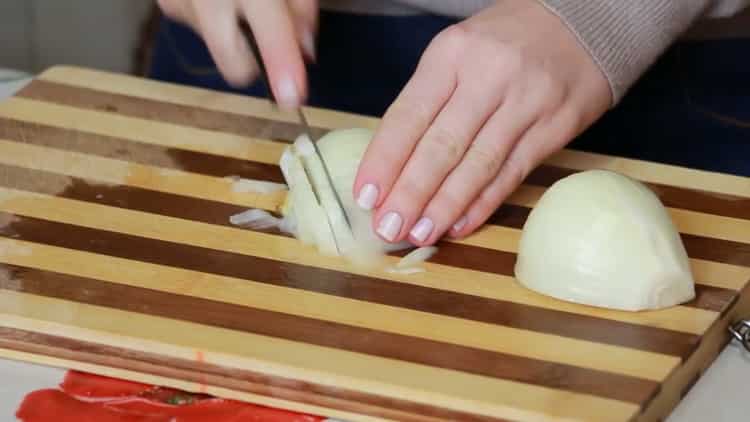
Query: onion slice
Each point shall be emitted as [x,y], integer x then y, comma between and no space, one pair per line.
[255,219]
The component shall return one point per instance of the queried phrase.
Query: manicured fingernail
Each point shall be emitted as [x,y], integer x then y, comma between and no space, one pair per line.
[368,196]
[390,226]
[287,93]
[308,44]
[422,229]
[460,224]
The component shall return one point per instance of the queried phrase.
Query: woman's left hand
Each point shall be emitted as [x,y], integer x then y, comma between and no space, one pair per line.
[492,97]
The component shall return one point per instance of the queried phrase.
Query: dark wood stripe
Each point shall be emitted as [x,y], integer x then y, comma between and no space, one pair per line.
[689,199]
[236,379]
[136,152]
[197,117]
[712,298]
[711,249]
[329,334]
[671,196]
[347,285]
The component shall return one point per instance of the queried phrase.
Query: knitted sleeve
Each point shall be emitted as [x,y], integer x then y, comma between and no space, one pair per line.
[625,37]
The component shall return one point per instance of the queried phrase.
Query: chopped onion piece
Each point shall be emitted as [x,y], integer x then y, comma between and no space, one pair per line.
[416,256]
[255,219]
[405,271]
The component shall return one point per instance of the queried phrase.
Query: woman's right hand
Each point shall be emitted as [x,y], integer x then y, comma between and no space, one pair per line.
[284,29]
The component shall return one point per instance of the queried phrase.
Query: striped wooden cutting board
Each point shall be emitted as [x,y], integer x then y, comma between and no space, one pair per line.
[119,260]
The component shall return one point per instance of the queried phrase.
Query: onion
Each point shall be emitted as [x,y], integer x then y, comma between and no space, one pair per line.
[409,264]
[315,213]
[603,239]
[255,219]
[417,256]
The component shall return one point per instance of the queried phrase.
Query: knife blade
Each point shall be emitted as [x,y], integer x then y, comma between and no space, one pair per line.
[248,33]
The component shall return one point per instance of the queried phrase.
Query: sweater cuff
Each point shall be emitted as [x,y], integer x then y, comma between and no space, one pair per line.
[625,37]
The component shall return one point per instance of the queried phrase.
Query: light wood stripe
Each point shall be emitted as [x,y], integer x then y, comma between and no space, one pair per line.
[534,345]
[198,97]
[127,85]
[652,172]
[136,152]
[262,245]
[385,377]
[143,108]
[119,172]
[141,130]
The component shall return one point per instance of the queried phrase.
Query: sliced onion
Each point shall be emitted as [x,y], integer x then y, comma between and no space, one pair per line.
[255,219]
[405,271]
[417,256]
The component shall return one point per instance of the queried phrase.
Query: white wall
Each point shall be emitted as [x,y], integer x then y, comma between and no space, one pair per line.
[36,34]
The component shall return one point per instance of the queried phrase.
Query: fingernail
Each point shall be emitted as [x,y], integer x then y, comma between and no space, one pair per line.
[308,44]
[422,229]
[288,95]
[368,196]
[460,224]
[390,226]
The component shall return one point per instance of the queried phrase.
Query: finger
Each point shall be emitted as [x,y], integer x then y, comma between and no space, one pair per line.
[179,10]
[403,124]
[480,165]
[438,152]
[218,25]
[274,31]
[305,15]
[539,142]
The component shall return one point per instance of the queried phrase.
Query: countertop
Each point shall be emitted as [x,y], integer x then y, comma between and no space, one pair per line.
[719,396]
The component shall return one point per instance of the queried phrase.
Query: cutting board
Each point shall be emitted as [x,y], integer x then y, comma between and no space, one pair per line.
[119,259]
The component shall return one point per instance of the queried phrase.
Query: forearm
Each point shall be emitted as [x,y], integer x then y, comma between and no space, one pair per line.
[626,37]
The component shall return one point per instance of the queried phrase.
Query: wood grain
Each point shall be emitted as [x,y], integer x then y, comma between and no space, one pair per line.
[386,377]
[117,256]
[286,250]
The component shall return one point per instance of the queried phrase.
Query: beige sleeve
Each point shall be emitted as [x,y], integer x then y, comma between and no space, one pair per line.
[625,37]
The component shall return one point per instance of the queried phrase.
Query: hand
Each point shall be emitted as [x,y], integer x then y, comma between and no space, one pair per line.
[284,29]
[491,98]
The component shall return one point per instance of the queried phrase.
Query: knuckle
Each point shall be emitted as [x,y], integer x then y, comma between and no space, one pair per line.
[446,199]
[445,143]
[484,159]
[451,40]
[510,59]
[515,173]
[410,188]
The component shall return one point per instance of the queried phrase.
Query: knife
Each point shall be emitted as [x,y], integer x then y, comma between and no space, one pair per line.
[247,31]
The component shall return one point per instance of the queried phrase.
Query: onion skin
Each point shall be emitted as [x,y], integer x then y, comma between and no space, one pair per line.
[602,239]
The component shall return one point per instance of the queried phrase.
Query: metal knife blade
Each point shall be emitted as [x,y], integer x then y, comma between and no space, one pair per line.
[303,121]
